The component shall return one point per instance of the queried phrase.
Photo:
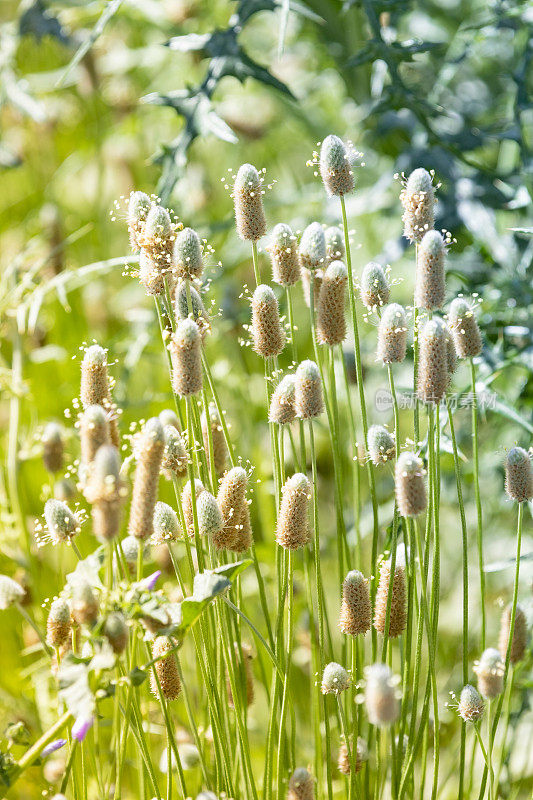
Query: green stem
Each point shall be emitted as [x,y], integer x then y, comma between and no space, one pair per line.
[475,446]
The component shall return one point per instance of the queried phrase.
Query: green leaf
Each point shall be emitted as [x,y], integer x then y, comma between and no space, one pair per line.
[232,570]
[504,410]
[137,676]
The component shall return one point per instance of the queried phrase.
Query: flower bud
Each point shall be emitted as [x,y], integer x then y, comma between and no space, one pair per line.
[381,695]
[381,444]
[188,259]
[490,670]
[301,785]
[464,328]
[284,256]
[312,250]
[308,400]
[116,631]
[10,592]
[210,522]
[430,282]
[409,484]
[331,321]
[186,353]
[335,679]
[195,308]
[518,475]
[166,669]
[355,613]
[398,604]
[375,288]
[53,447]
[471,705]
[335,167]
[62,524]
[282,409]
[150,449]
[519,641]
[58,623]
[433,362]
[418,200]
[175,457]
[139,205]
[248,202]
[220,451]
[84,604]
[292,531]
[392,335]
[267,331]
[166,525]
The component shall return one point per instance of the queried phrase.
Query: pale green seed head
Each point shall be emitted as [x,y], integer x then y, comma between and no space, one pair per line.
[335,679]
[138,207]
[158,224]
[10,592]
[187,333]
[247,179]
[210,520]
[95,356]
[62,524]
[282,235]
[419,181]
[335,248]
[188,253]
[313,246]
[166,525]
[59,611]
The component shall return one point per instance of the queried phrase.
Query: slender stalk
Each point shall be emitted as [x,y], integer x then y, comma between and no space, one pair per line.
[479,513]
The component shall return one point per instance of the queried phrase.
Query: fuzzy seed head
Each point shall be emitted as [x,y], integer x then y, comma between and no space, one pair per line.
[292,531]
[151,273]
[231,499]
[248,201]
[138,207]
[398,605]
[355,613]
[150,447]
[94,433]
[381,445]
[244,674]
[243,536]
[116,631]
[267,331]
[335,167]
[62,524]
[409,485]
[94,389]
[10,592]
[335,679]
[301,785]
[331,320]
[130,548]
[188,259]
[186,353]
[210,522]
[519,641]
[518,475]
[312,249]
[471,705]
[464,328]
[381,695]
[53,447]
[430,283]
[166,525]
[418,200]
[220,451]
[186,503]
[175,458]
[166,670]
[375,288]
[282,403]
[490,670]
[361,756]
[284,256]
[169,417]
[335,249]
[58,623]
[433,362]
[392,334]
[183,308]
[308,400]
[84,604]
[105,481]
[451,354]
